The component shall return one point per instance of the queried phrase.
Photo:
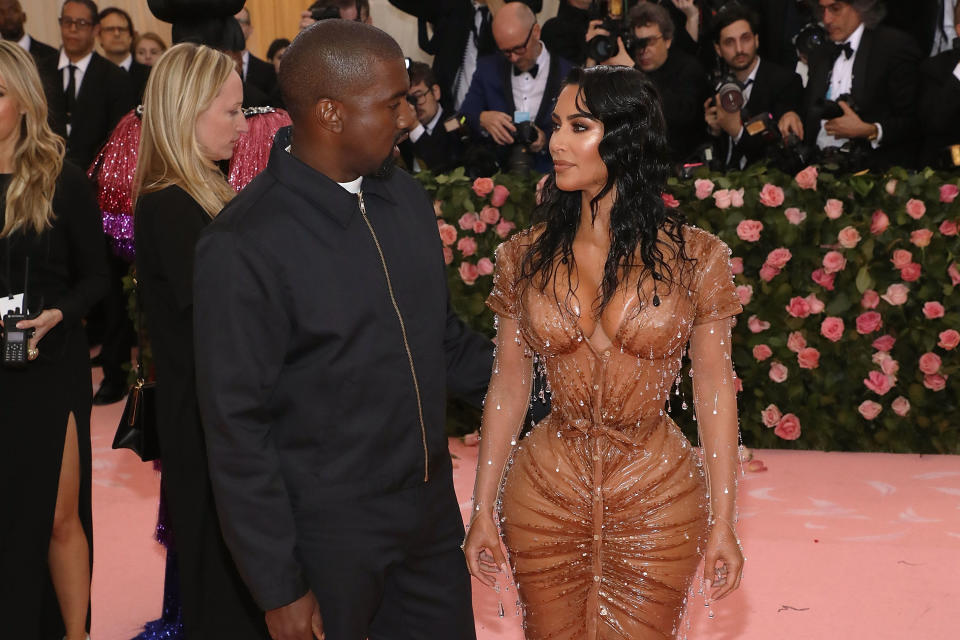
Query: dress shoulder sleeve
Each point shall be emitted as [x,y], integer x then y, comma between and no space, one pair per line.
[504,299]
[716,294]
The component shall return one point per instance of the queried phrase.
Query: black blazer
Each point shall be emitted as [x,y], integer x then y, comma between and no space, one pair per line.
[261,74]
[441,150]
[452,22]
[917,18]
[939,107]
[40,50]
[139,74]
[885,88]
[106,95]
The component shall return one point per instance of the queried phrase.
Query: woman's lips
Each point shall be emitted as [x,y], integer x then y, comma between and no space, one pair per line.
[560,165]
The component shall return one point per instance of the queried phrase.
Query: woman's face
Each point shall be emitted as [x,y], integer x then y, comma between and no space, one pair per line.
[148,51]
[11,115]
[219,126]
[575,146]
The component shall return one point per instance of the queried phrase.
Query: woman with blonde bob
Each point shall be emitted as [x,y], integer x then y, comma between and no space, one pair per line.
[50,237]
[191,120]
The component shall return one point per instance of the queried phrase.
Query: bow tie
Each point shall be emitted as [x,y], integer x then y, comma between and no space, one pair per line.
[846,49]
[532,71]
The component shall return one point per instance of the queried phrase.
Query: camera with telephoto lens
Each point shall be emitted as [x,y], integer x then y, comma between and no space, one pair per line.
[729,91]
[811,37]
[525,135]
[613,13]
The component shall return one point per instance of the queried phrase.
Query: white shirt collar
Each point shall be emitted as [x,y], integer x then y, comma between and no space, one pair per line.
[353,186]
[80,64]
[854,39]
[436,118]
[127,63]
[753,74]
[24,41]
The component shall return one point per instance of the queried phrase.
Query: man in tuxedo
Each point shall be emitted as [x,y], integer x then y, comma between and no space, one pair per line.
[256,72]
[323,397]
[767,88]
[12,19]
[116,40]
[522,81]
[940,105]
[461,35]
[435,140]
[871,75]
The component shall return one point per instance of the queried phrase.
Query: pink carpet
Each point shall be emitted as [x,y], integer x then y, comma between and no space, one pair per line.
[839,546]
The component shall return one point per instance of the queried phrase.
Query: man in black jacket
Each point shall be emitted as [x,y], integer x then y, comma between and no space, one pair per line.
[871,76]
[12,19]
[434,140]
[940,105]
[116,40]
[256,72]
[325,347]
[767,88]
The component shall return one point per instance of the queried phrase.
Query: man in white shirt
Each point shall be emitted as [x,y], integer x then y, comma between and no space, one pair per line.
[434,140]
[256,72]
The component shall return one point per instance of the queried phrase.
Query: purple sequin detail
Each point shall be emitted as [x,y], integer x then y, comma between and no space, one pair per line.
[119,226]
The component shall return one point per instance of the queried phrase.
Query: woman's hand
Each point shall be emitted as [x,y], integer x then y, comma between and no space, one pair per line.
[482,550]
[723,561]
[41,325]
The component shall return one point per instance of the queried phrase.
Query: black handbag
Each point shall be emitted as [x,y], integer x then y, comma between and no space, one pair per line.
[137,430]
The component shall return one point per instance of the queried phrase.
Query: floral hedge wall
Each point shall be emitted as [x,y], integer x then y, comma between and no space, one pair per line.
[849,336]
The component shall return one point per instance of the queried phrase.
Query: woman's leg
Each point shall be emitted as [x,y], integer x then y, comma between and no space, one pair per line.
[69,552]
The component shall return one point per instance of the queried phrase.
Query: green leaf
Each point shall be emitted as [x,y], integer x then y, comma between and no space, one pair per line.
[864,281]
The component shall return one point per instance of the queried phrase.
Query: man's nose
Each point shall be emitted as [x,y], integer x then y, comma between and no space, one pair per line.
[408,115]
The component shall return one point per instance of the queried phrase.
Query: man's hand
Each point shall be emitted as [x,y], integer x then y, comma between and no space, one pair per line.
[711,116]
[306,20]
[594,29]
[622,58]
[731,123]
[790,123]
[849,125]
[499,125]
[540,142]
[299,620]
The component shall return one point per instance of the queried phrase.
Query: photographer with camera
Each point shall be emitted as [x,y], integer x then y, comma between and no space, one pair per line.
[859,107]
[752,93]
[356,10]
[435,141]
[940,105]
[511,96]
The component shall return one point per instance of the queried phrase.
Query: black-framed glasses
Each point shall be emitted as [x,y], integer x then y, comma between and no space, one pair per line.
[79,25]
[417,97]
[117,30]
[520,49]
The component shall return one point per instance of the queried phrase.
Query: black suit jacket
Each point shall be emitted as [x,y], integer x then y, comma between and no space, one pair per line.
[452,22]
[939,107]
[139,74]
[885,88]
[917,18]
[441,150]
[106,95]
[40,50]
[261,74]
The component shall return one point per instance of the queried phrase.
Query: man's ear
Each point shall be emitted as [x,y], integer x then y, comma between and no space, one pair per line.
[435,89]
[329,115]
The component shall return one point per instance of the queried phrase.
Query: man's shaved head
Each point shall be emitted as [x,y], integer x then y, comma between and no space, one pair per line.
[332,59]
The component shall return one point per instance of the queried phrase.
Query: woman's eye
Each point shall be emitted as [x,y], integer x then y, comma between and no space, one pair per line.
[555,126]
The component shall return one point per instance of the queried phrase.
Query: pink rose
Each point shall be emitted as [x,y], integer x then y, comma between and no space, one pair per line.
[771,195]
[832,328]
[467,246]
[954,274]
[794,215]
[669,201]
[877,382]
[848,237]
[833,208]
[736,266]
[948,228]
[722,199]
[761,352]
[911,272]
[703,188]
[935,382]
[870,299]
[901,258]
[896,294]
[504,227]
[736,197]
[869,322]
[738,385]
[540,185]
[768,273]
[933,310]
[771,415]
[816,304]
[482,186]
[824,279]
[479,226]
[778,372]
[484,266]
[779,257]
[949,339]
[789,427]
[796,342]
[798,307]
[490,215]
[468,272]
[879,222]
[756,325]
[807,179]
[448,234]
[921,237]
[948,193]
[468,221]
[749,230]
[808,358]
[447,255]
[834,262]
[500,195]
[916,208]
[929,363]
[884,343]
[891,187]
[869,409]
[438,207]
[745,294]
[888,365]
[900,406]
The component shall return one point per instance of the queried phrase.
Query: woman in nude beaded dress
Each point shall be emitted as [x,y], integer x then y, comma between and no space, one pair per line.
[605,508]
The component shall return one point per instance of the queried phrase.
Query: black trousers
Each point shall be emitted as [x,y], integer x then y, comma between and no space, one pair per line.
[390,567]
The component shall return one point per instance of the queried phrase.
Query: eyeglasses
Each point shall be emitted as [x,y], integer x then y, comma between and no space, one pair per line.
[643,43]
[115,30]
[521,49]
[417,97]
[79,25]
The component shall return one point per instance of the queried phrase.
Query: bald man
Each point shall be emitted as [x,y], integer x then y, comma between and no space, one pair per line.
[326,346]
[521,82]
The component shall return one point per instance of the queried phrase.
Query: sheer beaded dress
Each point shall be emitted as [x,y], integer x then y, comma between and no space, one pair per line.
[604,506]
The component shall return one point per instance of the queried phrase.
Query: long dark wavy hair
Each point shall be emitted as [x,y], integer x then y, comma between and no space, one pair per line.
[634,150]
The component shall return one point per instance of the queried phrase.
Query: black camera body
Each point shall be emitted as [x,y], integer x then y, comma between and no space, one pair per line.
[729,91]
[811,37]
[613,13]
[325,13]
[830,109]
